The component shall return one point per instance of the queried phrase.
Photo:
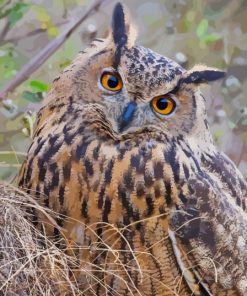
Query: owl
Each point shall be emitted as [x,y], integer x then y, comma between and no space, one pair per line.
[122,151]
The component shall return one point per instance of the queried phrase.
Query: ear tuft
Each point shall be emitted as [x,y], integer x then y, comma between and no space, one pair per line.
[123,33]
[119,30]
[202,74]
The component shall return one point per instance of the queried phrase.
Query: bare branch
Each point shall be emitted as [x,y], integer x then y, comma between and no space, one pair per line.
[46,52]
[65,10]
[28,34]
[4,31]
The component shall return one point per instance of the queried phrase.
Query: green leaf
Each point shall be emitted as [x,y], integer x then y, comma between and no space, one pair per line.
[244,122]
[32,97]
[53,31]
[65,63]
[219,134]
[16,13]
[202,28]
[210,38]
[38,86]
[42,14]
[231,124]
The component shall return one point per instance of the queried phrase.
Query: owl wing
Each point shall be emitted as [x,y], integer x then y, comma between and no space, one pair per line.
[225,172]
[209,235]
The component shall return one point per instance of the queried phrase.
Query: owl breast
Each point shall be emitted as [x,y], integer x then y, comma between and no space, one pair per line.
[123,160]
[114,198]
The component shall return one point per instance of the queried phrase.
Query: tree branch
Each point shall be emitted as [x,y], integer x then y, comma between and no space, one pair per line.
[28,34]
[4,31]
[46,52]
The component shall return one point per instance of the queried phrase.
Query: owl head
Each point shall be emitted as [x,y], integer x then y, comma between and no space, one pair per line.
[135,89]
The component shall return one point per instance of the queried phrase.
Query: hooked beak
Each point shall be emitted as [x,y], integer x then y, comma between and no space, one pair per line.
[127,115]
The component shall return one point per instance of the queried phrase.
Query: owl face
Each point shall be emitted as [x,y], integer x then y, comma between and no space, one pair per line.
[141,94]
[136,89]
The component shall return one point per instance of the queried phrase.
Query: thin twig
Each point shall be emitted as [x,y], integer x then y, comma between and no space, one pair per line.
[13,152]
[44,54]
[28,34]
[4,31]
[65,10]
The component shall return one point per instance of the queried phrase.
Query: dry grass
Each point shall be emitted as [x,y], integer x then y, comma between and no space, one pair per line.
[32,264]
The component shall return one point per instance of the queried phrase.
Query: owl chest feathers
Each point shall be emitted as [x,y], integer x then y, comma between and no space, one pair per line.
[80,169]
[122,153]
[140,176]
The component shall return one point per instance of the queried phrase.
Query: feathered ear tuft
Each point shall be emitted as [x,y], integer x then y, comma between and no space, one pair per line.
[119,29]
[123,33]
[202,74]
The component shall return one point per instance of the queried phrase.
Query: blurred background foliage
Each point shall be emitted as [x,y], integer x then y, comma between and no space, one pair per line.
[213,32]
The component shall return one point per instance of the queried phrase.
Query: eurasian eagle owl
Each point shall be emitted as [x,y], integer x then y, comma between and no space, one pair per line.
[123,152]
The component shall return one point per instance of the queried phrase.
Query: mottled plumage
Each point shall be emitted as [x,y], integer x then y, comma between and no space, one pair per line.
[152,206]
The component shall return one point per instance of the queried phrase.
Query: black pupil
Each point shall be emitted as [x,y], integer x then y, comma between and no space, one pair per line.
[162,103]
[112,81]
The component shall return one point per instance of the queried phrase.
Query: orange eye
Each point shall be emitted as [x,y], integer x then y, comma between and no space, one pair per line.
[163,105]
[111,81]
